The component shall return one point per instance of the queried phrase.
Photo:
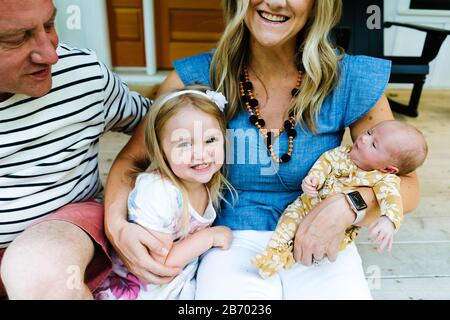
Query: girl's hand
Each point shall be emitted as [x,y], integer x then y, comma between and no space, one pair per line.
[133,244]
[222,237]
[382,233]
[323,230]
[309,186]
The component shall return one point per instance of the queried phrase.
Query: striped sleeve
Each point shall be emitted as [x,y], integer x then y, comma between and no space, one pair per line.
[123,109]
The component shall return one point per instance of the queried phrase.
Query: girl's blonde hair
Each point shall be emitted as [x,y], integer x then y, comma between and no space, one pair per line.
[160,112]
[314,50]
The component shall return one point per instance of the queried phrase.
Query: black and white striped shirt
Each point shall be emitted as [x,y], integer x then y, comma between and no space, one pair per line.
[49,145]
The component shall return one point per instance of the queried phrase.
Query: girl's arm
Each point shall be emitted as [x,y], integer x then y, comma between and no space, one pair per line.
[184,251]
[132,242]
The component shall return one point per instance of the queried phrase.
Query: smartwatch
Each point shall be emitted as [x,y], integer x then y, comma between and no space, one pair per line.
[357,203]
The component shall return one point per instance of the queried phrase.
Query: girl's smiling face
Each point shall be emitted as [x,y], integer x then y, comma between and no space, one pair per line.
[193,145]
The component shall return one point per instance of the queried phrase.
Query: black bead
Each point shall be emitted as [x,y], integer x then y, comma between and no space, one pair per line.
[287,125]
[246,97]
[261,122]
[253,119]
[242,78]
[292,133]
[295,92]
[253,103]
[247,85]
[269,139]
[285,157]
[302,67]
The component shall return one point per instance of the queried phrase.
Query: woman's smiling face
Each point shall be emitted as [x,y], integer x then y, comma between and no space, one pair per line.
[277,22]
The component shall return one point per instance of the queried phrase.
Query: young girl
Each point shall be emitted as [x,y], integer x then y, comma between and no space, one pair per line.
[175,199]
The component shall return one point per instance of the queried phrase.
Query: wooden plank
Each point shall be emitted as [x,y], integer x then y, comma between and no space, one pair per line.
[413,289]
[408,260]
[418,229]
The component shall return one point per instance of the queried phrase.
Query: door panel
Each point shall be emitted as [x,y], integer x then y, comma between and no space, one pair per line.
[185,28]
[126,29]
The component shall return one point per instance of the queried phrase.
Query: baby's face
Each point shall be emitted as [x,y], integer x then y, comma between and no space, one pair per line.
[373,149]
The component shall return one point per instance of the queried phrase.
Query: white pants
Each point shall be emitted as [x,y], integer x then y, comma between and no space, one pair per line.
[226,275]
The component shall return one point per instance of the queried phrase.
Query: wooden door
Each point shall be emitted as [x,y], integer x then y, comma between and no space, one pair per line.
[185,28]
[126,31]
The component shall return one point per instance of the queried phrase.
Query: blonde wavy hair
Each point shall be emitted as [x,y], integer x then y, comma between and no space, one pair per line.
[315,51]
[160,112]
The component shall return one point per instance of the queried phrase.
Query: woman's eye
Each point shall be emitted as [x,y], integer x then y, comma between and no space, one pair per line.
[369,132]
[373,144]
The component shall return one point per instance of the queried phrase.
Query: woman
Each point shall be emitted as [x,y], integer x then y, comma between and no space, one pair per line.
[279,72]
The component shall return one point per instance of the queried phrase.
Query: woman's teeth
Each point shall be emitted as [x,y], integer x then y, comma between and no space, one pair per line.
[272,17]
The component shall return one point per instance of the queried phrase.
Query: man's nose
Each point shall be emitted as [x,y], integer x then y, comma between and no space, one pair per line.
[44,51]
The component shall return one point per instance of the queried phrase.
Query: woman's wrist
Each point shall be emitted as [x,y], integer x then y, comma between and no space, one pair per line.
[349,215]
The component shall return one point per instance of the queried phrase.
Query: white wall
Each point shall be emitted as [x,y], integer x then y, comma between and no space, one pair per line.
[93,29]
[398,41]
[408,42]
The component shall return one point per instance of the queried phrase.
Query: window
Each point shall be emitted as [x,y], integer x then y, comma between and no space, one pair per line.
[430,4]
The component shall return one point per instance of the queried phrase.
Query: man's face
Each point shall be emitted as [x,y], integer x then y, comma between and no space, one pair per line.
[28,42]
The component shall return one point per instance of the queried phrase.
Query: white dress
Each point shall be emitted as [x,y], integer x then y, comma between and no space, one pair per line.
[156,204]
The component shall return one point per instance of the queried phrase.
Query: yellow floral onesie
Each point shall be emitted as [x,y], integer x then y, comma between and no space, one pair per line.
[336,173]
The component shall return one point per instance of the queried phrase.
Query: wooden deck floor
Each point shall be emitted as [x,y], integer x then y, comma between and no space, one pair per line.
[419,265]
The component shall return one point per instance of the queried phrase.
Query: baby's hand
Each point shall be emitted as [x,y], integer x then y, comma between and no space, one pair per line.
[222,237]
[382,233]
[309,186]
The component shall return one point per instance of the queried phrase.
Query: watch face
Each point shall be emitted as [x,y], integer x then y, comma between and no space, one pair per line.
[357,200]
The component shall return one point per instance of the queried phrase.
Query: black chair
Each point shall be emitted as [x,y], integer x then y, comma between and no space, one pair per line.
[356,38]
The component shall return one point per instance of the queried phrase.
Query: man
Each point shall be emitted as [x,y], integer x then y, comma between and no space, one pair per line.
[55,103]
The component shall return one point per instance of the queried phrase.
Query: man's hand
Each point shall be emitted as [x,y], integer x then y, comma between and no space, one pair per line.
[322,230]
[309,186]
[382,233]
[133,245]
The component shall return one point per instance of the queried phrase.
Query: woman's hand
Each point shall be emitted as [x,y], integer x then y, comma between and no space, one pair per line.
[323,230]
[133,245]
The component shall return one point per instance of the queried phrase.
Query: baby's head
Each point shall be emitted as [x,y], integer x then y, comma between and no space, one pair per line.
[185,136]
[390,147]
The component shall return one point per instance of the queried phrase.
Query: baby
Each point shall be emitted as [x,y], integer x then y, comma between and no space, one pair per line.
[377,156]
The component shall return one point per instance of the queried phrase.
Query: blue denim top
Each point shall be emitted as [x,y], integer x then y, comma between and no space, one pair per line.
[265,188]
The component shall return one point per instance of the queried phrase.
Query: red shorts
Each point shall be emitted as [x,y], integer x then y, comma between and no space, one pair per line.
[89,217]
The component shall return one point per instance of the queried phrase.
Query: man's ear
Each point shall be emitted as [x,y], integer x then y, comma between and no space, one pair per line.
[390,169]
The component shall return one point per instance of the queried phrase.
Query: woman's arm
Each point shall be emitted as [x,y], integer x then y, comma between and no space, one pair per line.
[324,227]
[409,187]
[131,242]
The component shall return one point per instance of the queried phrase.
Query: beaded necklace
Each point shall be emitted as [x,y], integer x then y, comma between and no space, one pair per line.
[246,90]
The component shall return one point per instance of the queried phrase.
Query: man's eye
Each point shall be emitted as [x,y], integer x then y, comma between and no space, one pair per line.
[49,26]
[15,41]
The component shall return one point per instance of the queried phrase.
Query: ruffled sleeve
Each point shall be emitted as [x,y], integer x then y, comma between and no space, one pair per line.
[155,204]
[195,69]
[364,81]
